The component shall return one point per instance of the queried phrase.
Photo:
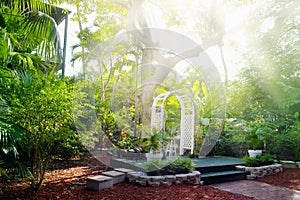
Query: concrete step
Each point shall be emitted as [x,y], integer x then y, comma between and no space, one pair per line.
[117,177]
[99,182]
[216,163]
[220,168]
[107,179]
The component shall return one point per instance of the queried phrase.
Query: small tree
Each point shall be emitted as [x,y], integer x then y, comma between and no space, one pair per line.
[41,104]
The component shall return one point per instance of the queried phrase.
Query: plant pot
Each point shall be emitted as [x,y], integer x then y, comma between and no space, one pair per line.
[254,153]
[152,156]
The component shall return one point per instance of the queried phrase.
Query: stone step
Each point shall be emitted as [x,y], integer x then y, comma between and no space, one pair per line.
[220,168]
[117,177]
[107,179]
[216,163]
[99,182]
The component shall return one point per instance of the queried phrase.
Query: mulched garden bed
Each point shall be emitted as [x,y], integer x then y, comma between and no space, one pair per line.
[289,178]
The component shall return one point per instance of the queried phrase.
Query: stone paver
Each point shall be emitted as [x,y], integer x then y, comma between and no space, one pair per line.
[99,182]
[259,190]
[118,177]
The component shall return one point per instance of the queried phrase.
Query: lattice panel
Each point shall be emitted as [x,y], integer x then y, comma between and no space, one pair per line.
[157,112]
[171,148]
[156,120]
[187,133]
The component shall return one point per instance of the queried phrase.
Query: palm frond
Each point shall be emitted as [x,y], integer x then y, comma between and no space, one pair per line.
[19,169]
[29,30]
[2,170]
[12,139]
[76,56]
[25,5]
[44,27]
[41,25]
[75,46]
[5,45]
[14,149]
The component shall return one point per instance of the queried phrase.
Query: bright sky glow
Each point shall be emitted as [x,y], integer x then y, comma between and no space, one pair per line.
[233,27]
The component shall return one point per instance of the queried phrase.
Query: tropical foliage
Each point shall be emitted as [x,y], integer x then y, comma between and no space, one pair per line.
[259,105]
[35,104]
[263,104]
[29,36]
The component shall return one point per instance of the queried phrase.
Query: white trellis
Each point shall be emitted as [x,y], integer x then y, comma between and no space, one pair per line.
[187,123]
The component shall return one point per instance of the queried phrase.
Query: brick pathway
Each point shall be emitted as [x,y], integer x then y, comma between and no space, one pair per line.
[259,190]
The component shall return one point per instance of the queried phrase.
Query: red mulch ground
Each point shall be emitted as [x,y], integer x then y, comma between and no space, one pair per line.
[67,179]
[290,178]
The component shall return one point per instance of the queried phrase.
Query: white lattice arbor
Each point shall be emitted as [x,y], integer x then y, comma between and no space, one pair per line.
[187,123]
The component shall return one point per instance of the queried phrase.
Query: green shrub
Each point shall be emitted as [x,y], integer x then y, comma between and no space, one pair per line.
[226,146]
[286,146]
[183,165]
[259,160]
[41,104]
[71,147]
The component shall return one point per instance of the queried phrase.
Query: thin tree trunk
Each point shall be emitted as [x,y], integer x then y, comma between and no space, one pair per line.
[82,45]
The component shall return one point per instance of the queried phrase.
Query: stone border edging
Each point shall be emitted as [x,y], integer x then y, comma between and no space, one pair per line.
[140,178]
[258,172]
[289,164]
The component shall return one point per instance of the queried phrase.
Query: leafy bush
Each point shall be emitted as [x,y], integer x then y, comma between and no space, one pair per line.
[128,142]
[177,166]
[259,160]
[226,146]
[287,144]
[156,141]
[70,147]
[182,165]
[41,105]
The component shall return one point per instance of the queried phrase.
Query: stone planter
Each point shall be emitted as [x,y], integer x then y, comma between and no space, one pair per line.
[258,172]
[254,153]
[140,178]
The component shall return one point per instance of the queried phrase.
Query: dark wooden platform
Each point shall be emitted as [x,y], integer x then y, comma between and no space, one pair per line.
[214,169]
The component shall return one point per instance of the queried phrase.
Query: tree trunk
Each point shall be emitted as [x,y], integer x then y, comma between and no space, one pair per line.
[84,68]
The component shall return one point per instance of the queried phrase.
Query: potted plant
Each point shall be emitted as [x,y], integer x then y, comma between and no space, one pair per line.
[154,155]
[253,140]
[254,152]
[154,145]
[258,135]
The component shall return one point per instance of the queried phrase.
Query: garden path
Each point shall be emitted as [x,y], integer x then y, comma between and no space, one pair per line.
[259,190]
